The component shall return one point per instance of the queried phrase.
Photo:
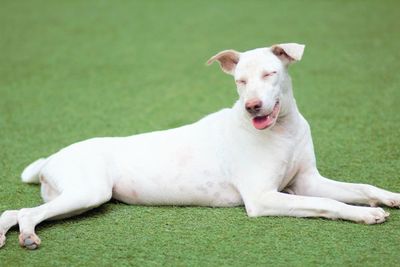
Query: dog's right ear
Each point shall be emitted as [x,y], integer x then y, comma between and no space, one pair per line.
[227,59]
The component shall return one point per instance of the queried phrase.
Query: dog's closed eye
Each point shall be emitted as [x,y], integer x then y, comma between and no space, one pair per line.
[268,74]
[241,82]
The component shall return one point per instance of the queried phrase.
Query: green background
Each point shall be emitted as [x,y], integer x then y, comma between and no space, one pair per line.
[70,70]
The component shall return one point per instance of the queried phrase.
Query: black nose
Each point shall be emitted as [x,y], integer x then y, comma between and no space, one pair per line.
[253,106]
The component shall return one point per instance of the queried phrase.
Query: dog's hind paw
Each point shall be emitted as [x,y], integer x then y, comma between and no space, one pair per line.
[29,241]
[2,239]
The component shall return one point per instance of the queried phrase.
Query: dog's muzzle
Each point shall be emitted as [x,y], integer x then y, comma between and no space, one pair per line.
[264,121]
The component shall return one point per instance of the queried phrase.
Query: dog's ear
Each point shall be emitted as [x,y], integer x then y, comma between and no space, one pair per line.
[288,53]
[227,59]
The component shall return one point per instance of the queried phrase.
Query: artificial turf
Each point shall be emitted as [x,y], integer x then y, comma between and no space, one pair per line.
[70,70]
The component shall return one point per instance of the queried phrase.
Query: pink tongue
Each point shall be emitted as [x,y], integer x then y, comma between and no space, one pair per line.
[262,122]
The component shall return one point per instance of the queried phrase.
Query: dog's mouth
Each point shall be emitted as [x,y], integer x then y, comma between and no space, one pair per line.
[265,121]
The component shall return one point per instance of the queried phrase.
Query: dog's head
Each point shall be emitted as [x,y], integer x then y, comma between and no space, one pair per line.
[261,78]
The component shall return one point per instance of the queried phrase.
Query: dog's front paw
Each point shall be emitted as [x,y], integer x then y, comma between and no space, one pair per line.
[391,200]
[372,215]
[29,241]
[386,198]
[393,203]
[2,239]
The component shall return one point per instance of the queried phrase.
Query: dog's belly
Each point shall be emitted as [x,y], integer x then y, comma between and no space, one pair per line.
[183,166]
[209,192]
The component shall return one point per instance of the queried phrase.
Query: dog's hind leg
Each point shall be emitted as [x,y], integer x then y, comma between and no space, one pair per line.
[69,203]
[8,219]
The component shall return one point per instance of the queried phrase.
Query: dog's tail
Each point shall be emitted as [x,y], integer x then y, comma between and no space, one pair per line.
[31,173]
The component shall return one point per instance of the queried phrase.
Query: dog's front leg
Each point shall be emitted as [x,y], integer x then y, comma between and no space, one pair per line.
[274,203]
[313,184]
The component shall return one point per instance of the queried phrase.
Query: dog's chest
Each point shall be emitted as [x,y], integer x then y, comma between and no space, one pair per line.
[274,161]
[289,154]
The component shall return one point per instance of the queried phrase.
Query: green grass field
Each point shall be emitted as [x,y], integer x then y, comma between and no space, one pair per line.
[70,70]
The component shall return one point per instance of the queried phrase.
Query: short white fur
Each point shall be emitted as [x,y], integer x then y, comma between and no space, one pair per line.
[219,161]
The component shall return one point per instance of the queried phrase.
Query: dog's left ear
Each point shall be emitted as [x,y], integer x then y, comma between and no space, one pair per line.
[227,59]
[289,52]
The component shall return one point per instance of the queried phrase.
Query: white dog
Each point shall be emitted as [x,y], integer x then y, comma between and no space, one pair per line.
[248,154]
